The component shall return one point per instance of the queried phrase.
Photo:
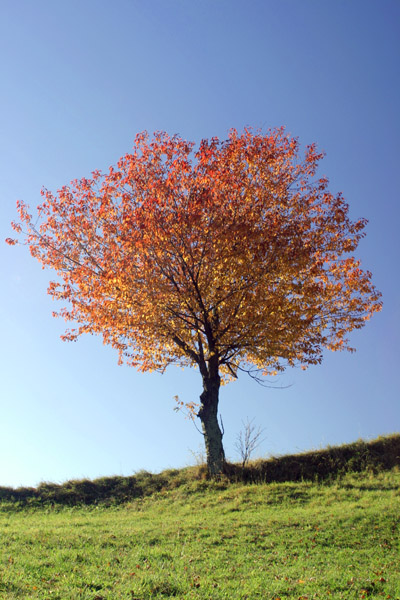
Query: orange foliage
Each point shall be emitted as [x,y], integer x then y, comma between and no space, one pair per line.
[234,253]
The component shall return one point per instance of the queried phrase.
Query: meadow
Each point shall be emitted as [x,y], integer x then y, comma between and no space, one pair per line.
[332,537]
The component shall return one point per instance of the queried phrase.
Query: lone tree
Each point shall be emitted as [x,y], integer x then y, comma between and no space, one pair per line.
[233,257]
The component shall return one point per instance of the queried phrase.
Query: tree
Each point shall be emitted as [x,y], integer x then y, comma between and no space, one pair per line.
[248,440]
[233,257]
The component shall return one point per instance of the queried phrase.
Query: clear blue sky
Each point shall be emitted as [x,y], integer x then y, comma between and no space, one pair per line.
[78,81]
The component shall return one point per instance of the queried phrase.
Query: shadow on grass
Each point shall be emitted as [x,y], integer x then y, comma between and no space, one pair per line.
[382,454]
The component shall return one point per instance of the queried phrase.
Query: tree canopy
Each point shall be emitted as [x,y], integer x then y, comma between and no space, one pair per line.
[230,257]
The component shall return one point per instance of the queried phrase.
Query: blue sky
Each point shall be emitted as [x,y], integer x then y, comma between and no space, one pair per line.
[78,81]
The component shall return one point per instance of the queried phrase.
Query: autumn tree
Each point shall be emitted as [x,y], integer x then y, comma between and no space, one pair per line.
[230,258]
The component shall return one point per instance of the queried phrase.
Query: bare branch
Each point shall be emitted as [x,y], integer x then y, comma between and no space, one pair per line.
[248,440]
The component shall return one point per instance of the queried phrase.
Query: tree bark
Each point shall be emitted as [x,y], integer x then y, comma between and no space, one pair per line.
[208,414]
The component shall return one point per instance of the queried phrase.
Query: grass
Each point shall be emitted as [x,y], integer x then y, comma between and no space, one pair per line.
[377,455]
[197,539]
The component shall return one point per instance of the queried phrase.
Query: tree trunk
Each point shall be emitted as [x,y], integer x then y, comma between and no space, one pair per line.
[208,415]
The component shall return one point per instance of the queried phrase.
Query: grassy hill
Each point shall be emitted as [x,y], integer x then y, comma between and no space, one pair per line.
[378,455]
[258,534]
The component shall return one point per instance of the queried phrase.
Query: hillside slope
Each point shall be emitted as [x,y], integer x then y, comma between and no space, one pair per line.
[212,540]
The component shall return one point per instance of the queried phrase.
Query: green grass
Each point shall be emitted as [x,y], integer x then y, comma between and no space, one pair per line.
[331,539]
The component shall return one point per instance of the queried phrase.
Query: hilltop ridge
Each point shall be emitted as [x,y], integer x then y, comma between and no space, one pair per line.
[381,454]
